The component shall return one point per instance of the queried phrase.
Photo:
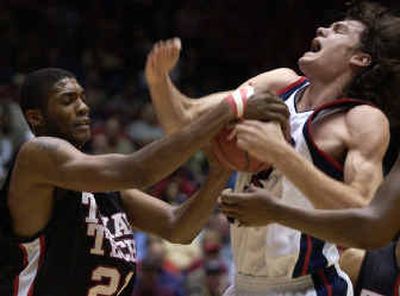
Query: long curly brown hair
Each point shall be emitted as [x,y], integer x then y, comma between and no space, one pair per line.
[379,83]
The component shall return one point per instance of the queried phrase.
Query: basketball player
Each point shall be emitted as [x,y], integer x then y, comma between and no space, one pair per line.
[65,228]
[336,161]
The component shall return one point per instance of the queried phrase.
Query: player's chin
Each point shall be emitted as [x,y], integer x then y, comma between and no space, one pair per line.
[81,137]
[304,61]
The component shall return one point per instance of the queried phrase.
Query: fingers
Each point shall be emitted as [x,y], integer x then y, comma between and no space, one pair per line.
[177,44]
[257,129]
[267,109]
[274,103]
[163,56]
[228,198]
[167,48]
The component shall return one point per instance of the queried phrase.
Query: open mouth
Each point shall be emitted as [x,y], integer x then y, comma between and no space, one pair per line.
[315,45]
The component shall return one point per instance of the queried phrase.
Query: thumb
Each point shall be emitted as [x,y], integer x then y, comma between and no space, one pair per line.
[251,188]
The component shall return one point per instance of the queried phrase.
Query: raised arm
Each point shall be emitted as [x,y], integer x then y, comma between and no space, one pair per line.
[366,228]
[178,224]
[175,109]
[362,168]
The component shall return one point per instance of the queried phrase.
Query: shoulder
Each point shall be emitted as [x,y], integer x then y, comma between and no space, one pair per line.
[368,126]
[40,149]
[43,143]
[275,79]
[366,118]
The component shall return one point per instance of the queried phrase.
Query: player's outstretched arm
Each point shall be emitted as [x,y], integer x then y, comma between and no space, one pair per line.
[366,228]
[57,163]
[178,224]
[173,108]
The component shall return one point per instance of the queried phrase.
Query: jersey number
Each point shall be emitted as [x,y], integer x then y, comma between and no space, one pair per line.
[111,288]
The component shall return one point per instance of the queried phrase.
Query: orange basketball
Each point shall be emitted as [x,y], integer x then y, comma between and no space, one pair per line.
[232,157]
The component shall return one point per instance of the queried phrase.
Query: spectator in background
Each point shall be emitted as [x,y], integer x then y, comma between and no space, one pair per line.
[116,138]
[112,139]
[159,277]
[6,146]
[176,188]
[145,129]
[208,274]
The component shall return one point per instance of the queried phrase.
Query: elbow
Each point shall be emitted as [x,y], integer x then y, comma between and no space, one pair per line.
[176,237]
[373,233]
[362,203]
[372,243]
[176,232]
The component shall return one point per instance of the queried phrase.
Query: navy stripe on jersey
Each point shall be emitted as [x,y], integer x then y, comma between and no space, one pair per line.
[301,267]
[321,159]
[286,92]
[327,282]
[311,257]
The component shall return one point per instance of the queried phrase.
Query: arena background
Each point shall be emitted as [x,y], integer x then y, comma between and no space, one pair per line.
[105,44]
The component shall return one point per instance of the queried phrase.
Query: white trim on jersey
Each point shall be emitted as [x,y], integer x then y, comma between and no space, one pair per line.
[33,252]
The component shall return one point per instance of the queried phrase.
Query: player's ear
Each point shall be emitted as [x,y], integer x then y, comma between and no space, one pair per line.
[361,59]
[34,117]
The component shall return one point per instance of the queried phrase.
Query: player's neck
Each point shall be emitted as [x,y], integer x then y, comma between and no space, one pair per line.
[319,93]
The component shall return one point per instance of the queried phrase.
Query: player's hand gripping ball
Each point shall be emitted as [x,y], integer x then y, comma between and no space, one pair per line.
[224,144]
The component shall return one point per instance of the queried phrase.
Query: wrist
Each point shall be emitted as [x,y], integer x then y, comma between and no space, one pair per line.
[229,111]
[156,80]
[237,100]
[279,152]
[274,209]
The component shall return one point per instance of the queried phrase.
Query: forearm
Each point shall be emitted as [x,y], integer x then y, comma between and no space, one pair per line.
[62,165]
[171,106]
[191,216]
[320,189]
[360,228]
[160,158]
[174,109]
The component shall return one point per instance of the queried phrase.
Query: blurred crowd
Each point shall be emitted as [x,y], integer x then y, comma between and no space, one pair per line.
[105,44]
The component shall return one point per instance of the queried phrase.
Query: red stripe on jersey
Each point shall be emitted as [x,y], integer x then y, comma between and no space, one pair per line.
[25,264]
[327,285]
[338,166]
[42,244]
[42,250]
[292,85]
[307,257]
[396,290]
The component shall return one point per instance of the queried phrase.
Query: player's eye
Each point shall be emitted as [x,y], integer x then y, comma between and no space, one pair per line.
[67,99]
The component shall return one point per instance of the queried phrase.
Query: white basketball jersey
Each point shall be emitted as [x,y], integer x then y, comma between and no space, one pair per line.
[275,252]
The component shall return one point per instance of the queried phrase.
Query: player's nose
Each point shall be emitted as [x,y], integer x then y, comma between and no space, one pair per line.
[322,32]
[82,108]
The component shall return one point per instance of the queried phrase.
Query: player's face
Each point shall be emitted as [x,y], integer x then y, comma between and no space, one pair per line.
[67,113]
[332,49]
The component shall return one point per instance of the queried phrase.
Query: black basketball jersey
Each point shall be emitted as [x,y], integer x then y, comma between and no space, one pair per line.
[87,249]
[379,274]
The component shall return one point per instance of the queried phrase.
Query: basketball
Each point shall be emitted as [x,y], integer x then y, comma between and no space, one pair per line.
[232,157]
